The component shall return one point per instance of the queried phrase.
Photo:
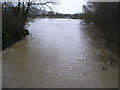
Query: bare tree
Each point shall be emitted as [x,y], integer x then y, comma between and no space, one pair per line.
[29,3]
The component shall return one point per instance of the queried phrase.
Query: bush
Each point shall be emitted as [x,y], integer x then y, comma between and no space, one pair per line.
[13,28]
[105,16]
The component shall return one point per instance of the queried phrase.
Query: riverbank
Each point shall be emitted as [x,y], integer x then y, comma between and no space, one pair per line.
[13,29]
[99,40]
[99,35]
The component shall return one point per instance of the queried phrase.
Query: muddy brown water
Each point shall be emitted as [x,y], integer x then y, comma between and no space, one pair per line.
[59,53]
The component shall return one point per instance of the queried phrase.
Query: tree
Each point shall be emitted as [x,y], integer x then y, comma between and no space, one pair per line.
[30,3]
[14,18]
[105,16]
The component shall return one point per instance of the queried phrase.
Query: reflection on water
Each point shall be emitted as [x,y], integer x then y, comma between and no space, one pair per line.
[58,54]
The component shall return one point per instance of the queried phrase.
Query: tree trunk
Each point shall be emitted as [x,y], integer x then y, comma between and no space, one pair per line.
[18,7]
[27,10]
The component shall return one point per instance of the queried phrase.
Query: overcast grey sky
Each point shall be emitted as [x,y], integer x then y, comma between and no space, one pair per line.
[70,6]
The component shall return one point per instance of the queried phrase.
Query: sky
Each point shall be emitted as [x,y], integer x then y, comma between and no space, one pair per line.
[64,6]
[70,6]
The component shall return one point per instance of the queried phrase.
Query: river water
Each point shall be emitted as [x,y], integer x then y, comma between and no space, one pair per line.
[59,53]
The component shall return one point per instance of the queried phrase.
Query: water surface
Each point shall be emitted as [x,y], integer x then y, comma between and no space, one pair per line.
[59,53]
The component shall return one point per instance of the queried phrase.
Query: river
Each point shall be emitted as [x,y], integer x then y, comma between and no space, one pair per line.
[60,53]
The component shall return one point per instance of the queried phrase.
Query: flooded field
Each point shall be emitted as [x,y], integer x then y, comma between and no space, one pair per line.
[60,53]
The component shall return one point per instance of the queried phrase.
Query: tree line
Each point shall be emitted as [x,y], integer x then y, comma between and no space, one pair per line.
[15,15]
[104,15]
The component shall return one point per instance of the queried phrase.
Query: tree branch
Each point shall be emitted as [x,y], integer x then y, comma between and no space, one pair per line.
[44,3]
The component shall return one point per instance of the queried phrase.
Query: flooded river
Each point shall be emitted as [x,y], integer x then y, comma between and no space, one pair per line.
[60,53]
